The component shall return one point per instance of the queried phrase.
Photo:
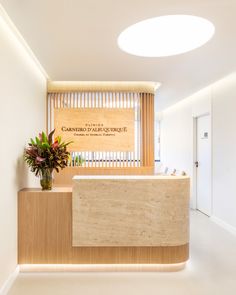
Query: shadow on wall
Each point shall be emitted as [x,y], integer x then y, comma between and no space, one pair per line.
[22,173]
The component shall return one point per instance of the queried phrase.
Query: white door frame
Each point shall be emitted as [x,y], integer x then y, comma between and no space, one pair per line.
[194,182]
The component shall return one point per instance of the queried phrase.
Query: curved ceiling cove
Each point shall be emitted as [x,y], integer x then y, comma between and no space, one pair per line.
[81,44]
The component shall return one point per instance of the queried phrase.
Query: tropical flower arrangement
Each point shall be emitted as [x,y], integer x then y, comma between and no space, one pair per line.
[44,155]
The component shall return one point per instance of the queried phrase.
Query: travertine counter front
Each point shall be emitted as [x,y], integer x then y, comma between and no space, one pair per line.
[137,211]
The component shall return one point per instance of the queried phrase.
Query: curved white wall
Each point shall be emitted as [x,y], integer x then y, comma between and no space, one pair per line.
[224,151]
[177,137]
[219,100]
[22,114]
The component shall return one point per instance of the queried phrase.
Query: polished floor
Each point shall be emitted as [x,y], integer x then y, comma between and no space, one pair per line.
[210,271]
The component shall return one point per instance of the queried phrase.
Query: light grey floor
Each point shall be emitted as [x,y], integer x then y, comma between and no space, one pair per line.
[210,271]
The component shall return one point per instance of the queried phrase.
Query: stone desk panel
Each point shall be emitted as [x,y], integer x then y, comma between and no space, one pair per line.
[130,211]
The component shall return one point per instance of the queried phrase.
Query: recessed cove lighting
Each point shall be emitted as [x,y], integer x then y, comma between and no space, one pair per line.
[166,35]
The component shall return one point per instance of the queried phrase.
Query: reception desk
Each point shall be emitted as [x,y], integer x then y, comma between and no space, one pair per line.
[106,220]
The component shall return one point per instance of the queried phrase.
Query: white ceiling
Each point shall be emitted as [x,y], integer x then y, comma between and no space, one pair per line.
[77,40]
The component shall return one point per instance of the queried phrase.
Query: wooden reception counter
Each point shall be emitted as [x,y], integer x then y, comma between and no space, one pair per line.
[108,220]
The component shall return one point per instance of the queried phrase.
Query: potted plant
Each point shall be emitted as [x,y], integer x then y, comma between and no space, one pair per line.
[78,161]
[44,155]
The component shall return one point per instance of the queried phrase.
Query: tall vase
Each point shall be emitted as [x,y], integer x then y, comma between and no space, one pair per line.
[46,179]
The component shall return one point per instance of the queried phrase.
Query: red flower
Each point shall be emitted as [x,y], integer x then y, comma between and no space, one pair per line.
[39,160]
[55,144]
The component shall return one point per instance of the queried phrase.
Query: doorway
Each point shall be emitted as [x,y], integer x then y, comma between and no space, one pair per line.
[203,164]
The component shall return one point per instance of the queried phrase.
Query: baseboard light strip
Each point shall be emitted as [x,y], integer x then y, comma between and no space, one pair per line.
[9,282]
[224,224]
[101,267]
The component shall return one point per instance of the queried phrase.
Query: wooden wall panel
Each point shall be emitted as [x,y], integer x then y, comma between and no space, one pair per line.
[142,157]
[45,236]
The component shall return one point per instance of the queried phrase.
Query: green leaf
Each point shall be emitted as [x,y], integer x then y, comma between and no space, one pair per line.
[44,137]
[45,145]
[32,141]
[38,141]
[66,144]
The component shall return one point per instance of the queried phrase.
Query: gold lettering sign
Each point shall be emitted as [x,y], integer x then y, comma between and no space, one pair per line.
[96,129]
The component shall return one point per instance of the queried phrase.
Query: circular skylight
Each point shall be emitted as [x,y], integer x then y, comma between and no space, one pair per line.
[166,35]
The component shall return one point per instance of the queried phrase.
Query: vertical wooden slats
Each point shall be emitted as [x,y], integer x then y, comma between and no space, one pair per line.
[152,134]
[143,105]
[51,111]
[147,133]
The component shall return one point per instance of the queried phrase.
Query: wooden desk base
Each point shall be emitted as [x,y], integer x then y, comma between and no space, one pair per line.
[45,236]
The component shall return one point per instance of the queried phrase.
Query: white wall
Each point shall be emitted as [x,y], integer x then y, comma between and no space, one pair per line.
[177,136]
[224,150]
[177,142]
[22,115]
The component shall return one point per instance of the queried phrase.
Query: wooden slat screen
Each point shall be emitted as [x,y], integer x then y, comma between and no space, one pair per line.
[136,101]
[147,132]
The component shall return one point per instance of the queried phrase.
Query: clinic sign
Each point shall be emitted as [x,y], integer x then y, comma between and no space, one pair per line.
[96,129]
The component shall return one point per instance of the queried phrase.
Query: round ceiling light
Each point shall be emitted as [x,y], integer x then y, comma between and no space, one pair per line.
[166,35]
